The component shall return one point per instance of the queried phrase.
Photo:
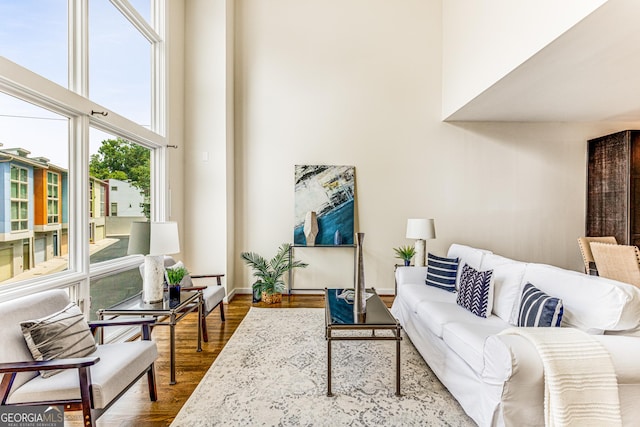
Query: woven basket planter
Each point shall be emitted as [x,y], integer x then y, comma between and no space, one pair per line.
[271,298]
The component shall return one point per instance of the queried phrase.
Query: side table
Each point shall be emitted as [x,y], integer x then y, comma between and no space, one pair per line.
[165,313]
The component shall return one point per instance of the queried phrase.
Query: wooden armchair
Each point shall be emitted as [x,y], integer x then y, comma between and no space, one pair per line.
[213,293]
[91,384]
[617,262]
[590,266]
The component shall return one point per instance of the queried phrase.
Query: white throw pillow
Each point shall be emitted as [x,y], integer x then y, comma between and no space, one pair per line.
[466,255]
[507,277]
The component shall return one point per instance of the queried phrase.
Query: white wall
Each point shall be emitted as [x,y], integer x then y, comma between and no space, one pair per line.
[208,138]
[485,40]
[175,24]
[359,82]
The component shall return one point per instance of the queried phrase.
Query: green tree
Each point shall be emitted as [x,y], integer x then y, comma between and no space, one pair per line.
[126,161]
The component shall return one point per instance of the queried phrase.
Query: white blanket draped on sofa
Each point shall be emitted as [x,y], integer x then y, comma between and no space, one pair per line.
[580,381]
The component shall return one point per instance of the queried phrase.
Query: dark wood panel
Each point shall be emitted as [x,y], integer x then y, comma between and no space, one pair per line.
[608,186]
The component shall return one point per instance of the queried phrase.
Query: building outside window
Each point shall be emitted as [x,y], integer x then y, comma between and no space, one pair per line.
[19,199]
[53,198]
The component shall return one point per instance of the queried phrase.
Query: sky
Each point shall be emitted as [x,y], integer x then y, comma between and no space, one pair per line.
[33,34]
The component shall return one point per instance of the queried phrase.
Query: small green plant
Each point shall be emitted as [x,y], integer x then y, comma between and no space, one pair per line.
[175,275]
[269,273]
[405,253]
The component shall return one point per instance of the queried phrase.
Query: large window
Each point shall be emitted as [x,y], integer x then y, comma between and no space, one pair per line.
[81,87]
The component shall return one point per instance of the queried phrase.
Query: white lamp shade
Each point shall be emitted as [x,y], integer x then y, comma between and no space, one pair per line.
[164,238]
[154,238]
[421,228]
[139,238]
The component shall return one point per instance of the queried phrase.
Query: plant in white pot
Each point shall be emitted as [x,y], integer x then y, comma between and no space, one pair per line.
[269,274]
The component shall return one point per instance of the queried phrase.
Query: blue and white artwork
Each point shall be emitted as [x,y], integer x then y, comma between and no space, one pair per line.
[329,192]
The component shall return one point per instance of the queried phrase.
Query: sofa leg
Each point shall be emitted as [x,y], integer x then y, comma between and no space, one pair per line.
[222,311]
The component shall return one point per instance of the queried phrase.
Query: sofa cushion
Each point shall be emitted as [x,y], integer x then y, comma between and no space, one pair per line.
[466,255]
[467,339]
[442,272]
[60,335]
[539,309]
[476,291]
[592,304]
[507,284]
[435,314]
[414,294]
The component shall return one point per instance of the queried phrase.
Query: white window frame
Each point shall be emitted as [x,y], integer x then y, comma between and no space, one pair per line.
[24,84]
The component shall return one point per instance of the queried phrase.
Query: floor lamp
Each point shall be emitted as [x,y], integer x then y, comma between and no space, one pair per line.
[420,229]
[154,240]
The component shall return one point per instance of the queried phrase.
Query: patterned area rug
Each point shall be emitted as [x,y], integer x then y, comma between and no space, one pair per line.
[273,371]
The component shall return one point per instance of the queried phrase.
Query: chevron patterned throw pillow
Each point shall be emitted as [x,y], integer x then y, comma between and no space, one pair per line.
[476,291]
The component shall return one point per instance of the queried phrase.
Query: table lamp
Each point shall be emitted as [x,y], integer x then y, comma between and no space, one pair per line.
[154,240]
[420,229]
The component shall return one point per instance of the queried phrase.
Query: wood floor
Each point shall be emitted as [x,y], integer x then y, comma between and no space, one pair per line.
[135,409]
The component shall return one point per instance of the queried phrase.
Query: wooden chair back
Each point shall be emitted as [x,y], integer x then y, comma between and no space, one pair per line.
[617,262]
[590,266]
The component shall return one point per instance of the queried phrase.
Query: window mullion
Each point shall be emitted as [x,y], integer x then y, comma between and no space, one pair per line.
[79,46]
[137,20]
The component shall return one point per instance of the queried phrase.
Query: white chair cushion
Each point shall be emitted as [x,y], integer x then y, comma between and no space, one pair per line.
[119,365]
[61,335]
[14,347]
[212,295]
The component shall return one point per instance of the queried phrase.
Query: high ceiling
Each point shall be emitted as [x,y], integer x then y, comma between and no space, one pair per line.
[590,73]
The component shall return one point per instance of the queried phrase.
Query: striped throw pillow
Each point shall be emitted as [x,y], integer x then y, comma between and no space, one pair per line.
[61,335]
[441,272]
[476,291]
[538,308]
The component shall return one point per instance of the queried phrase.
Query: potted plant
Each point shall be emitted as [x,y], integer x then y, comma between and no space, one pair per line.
[405,253]
[270,283]
[174,276]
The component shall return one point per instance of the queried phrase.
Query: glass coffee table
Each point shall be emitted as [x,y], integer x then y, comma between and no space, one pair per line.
[339,316]
[167,312]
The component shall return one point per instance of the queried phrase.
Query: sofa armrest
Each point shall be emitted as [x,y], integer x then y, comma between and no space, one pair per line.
[405,275]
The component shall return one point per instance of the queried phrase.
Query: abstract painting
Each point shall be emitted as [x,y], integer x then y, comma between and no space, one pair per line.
[329,192]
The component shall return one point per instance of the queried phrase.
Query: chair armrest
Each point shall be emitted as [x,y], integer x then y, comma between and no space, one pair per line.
[145,323]
[48,365]
[121,322]
[204,276]
[193,288]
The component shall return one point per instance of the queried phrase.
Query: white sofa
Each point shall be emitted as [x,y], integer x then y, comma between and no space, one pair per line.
[498,379]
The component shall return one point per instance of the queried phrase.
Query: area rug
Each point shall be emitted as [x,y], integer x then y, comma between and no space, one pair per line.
[273,371]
